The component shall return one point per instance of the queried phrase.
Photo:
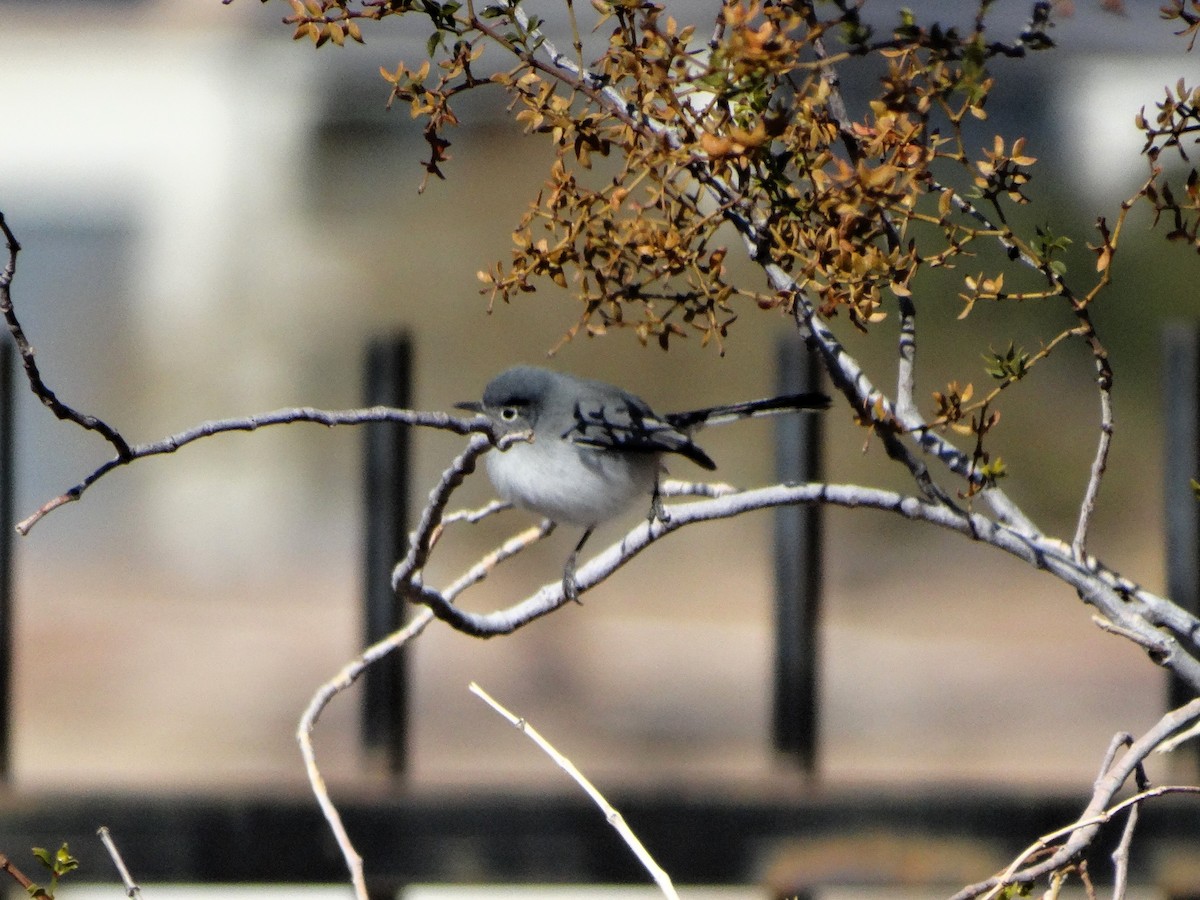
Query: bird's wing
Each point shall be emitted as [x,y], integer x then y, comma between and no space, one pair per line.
[629,426]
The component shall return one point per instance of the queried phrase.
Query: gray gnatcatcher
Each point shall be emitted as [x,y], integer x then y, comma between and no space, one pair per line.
[594,449]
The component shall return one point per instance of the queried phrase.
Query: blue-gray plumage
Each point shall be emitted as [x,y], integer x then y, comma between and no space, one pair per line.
[595,449]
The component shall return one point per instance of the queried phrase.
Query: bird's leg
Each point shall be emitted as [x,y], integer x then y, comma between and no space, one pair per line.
[570,589]
[657,509]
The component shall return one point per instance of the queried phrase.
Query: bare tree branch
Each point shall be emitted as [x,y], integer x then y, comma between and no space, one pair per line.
[38,386]
[1080,834]
[131,887]
[1120,854]
[349,674]
[35,892]
[329,418]
[611,815]
[1128,607]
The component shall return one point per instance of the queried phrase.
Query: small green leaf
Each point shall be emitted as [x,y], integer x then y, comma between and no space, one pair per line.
[993,470]
[1010,365]
[64,862]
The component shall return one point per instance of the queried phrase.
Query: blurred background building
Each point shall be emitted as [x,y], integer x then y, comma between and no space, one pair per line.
[215,222]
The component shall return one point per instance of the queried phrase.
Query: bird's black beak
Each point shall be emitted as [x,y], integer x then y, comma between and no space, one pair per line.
[470,406]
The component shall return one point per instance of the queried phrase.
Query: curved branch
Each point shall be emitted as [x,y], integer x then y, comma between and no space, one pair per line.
[1127,606]
[349,674]
[36,384]
[329,418]
[421,543]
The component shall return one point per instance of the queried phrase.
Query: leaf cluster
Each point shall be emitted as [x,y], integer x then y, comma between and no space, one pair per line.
[666,137]
[744,124]
[1175,126]
[59,863]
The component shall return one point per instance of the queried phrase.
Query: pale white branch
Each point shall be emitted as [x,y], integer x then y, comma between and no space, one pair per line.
[349,674]
[131,887]
[673,488]
[1133,612]
[472,516]
[1120,855]
[1100,809]
[1183,737]
[1089,824]
[611,815]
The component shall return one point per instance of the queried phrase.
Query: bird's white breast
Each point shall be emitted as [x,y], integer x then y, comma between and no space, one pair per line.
[571,484]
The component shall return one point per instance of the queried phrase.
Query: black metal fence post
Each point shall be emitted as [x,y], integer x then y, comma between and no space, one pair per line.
[1181,464]
[797,566]
[386,477]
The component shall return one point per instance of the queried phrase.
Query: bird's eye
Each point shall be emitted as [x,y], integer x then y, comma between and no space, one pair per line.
[508,413]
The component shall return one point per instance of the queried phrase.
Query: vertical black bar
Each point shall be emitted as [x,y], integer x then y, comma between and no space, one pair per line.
[7,488]
[387,382]
[1181,464]
[797,566]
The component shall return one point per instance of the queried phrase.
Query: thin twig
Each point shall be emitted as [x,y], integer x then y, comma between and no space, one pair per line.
[1120,740]
[611,815]
[562,68]
[1080,833]
[22,879]
[1104,379]
[349,674]
[330,418]
[1148,641]
[421,541]
[131,887]
[1120,855]
[1011,876]
[1184,736]
[37,385]
[1086,330]
[472,516]
[406,572]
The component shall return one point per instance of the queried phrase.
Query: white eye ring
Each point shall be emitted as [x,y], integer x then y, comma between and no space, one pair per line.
[508,413]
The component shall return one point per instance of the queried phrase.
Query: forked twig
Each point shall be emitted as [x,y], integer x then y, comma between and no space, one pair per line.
[327,417]
[409,569]
[1100,809]
[1010,875]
